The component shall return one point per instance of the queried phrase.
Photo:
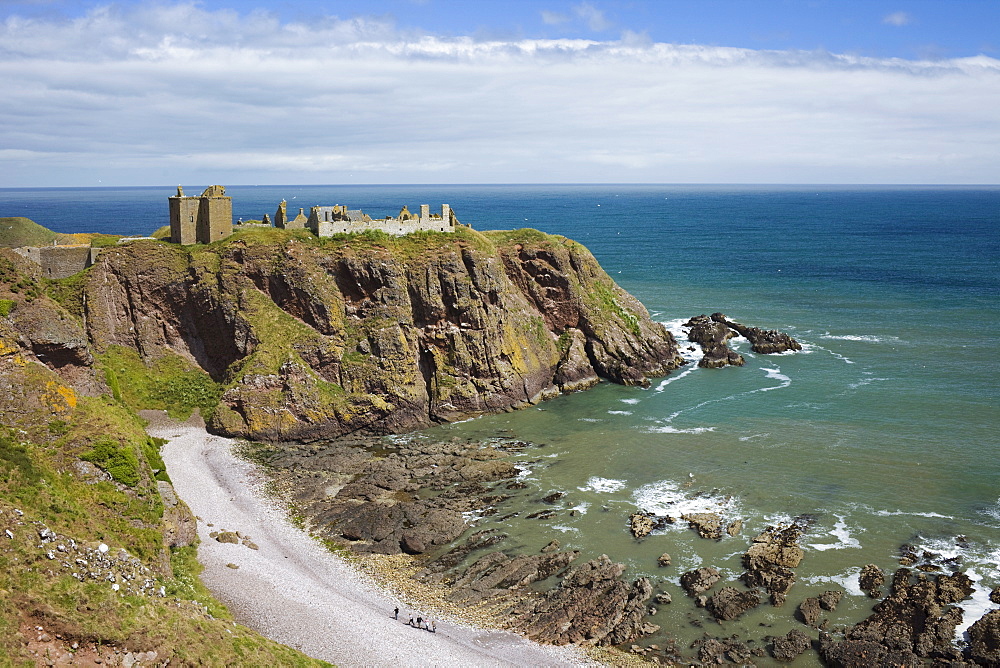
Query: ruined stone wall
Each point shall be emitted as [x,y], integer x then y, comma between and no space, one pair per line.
[325,221]
[60,261]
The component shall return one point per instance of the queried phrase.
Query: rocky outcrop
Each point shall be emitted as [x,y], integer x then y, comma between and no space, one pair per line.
[871,580]
[766,342]
[700,580]
[984,639]
[916,621]
[729,603]
[712,337]
[591,606]
[771,558]
[790,646]
[708,525]
[315,339]
[497,574]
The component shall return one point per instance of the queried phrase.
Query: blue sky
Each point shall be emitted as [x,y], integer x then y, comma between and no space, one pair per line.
[438,91]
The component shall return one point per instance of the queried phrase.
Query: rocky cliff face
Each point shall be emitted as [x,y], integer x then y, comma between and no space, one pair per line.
[312,338]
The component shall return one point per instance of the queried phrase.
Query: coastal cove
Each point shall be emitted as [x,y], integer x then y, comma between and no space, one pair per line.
[880,433]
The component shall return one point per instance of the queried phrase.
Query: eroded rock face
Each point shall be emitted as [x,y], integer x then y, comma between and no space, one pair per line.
[708,525]
[871,580]
[318,342]
[917,620]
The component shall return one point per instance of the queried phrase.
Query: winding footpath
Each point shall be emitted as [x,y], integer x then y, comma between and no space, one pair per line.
[294,591]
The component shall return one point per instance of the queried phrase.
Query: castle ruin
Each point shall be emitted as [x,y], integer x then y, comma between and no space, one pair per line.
[326,221]
[202,219]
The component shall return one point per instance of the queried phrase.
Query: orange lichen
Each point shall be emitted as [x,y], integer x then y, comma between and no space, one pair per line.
[59,398]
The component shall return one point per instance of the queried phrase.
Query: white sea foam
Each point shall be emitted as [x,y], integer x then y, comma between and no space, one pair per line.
[670,379]
[666,498]
[753,436]
[843,536]
[564,528]
[591,420]
[848,580]
[865,381]
[862,338]
[776,375]
[630,401]
[619,412]
[895,513]
[667,429]
[602,485]
[992,511]
[581,508]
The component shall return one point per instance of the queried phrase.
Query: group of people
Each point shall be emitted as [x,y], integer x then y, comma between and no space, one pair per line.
[418,622]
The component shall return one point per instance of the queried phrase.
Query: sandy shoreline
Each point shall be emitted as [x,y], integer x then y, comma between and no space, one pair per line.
[296,592]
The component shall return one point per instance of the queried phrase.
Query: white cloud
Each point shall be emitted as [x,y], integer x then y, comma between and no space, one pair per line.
[554,18]
[897,19]
[592,16]
[149,95]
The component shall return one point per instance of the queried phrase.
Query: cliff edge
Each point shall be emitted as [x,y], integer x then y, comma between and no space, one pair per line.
[310,338]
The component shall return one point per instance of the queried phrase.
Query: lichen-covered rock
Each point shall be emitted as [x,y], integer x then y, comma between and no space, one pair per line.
[640,524]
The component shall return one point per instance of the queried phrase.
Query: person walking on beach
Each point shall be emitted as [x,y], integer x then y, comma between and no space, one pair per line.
[410,623]
[395,612]
[434,626]
[419,622]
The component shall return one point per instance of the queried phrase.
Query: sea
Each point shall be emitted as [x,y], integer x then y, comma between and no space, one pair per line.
[883,431]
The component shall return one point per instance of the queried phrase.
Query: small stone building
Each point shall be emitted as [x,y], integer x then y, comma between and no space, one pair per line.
[202,219]
[60,261]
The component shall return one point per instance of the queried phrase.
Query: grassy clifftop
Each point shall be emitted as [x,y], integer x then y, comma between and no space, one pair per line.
[92,565]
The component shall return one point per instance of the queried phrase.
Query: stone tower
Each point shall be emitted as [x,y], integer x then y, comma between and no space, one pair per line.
[202,219]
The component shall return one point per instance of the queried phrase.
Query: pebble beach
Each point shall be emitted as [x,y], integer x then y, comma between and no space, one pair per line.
[281,582]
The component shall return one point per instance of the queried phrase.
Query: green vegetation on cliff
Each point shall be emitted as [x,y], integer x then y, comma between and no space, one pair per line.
[84,550]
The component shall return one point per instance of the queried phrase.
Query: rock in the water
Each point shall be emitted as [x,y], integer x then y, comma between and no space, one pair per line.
[700,580]
[984,639]
[727,651]
[916,620]
[765,342]
[995,595]
[663,598]
[712,337]
[640,524]
[663,560]
[591,606]
[809,611]
[829,600]
[729,603]
[770,559]
[871,580]
[790,646]
[735,527]
[552,546]
[708,525]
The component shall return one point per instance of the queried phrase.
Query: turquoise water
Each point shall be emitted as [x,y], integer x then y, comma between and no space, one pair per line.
[884,427]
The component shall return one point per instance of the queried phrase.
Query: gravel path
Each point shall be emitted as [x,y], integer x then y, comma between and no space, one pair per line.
[294,591]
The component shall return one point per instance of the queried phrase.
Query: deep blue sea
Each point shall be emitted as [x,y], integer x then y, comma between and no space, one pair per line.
[884,428]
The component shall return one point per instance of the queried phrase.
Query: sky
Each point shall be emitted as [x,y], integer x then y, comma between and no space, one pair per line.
[465,91]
